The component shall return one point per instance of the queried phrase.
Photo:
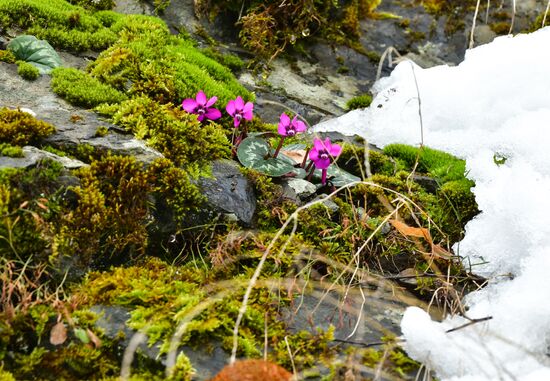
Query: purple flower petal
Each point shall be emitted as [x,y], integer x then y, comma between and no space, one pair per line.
[189,105]
[230,108]
[213,113]
[318,145]
[322,163]
[299,126]
[335,150]
[284,120]
[200,117]
[248,107]
[201,98]
[248,115]
[239,103]
[211,101]
[236,122]
[281,129]
[314,154]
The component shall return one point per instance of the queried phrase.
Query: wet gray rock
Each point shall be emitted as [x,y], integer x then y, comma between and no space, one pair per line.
[74,125]
[33,155]
[302,188]
[229,192]
[426,182]
[133,7]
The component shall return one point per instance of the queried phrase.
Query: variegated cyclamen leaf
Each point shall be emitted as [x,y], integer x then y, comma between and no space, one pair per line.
[37,52]
[338,177]
[253,153]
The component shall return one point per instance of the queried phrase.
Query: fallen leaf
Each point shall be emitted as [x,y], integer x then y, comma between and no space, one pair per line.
[58,334]
[93,338]
[409,231]
[296,155]
[438,251]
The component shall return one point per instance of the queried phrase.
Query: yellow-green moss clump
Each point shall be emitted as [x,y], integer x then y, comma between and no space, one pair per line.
[7,56]
[20,128]
[166,68]
[82,90]
[60,23]
[360,101]
[143,57]
[175,133]
[27,71]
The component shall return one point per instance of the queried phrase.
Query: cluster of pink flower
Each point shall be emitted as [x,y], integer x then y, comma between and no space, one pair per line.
[321,154]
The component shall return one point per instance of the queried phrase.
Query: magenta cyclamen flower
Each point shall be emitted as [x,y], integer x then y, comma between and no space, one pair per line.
[322,153]
[288,128]
[239,110]
[201,106]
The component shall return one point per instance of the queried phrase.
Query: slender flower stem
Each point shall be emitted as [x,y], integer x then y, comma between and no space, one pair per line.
[324,177]
[279,146]
[305,158]
[310,175]
[309,165]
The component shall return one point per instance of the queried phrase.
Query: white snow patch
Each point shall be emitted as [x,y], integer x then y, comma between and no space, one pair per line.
[496,102]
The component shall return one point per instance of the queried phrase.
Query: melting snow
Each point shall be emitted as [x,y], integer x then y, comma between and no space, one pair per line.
[495,103]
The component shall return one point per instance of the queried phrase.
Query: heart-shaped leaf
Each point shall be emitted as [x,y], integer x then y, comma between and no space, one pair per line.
[37,52]
[338,177]
[255,153]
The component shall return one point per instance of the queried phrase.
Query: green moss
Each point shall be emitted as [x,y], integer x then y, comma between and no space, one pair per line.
[307,348]
[175,133]
[58,22]
[440,165]
[500,28]
[537,24]
[454,12]
[82,90]
[110,214]
[161,66]
[360,101]
[160,296]
[7,56]
[101,131]
[20,128]
[27,71]
[233,62]
[373,56]
[27,205]
[10,151]
[175,186]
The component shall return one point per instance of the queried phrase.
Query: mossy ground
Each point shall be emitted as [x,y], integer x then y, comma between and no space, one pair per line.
[70,240]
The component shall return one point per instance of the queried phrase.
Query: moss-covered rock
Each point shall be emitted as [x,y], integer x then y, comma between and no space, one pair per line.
[82,90]
[20,128]
[27,71]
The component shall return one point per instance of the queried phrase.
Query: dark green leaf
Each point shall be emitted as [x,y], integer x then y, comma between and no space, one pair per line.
[37,52]
[253,153]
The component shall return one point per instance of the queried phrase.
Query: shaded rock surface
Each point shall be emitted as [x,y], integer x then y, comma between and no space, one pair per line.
[33,155]
[74,125]
[229,192]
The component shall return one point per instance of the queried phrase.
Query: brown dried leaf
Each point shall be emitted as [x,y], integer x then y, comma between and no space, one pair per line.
[409,231]
[440,252]
[93,338]
[296,155]
[58,334]
[41,206]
